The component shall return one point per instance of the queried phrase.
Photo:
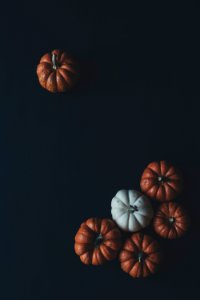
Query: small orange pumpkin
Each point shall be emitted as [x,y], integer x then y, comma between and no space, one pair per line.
[97,241]
[57,71]
[140,256]
[161,181]
[171,221]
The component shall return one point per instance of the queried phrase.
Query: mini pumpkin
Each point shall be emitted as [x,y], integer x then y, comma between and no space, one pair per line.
[171,220]
[57,71]
[140,256]
[97,241]
[161,181]
[131,210]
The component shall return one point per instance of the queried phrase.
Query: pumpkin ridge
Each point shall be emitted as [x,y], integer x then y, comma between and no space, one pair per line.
[89,256]
[51,75]
[82,235]
[45,84]
[160,226]
[87,228]
[167,169]
[163,230]
[124,212]
[157,191]
[106,227]
[175,173]
[137,199]
[164,192]
[160,214]
[157,186]
[128,218]
[181,209]
[95,227]
[159,219]
[133,243]
[110,231]
[141,214]
[169,233]
[152,184]
[45,64]
[46,58]
[180,216]
[164,208]
[138,223]
[156,173]
[154,165]
[60,70]
[179,227]
[140,270]
[133,266]
[65,67]
[139,195]
[126,250]
[153,262]
[113,252]
[86,250]
[170,186]
[117,244]
[120,200]
[137,243]
[63,57]
[67,81]
[85,234]
[145,217]
[147,267]
[146,248]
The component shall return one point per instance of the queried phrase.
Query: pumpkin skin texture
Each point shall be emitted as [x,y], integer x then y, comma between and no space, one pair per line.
[97,241]
[140,256]
[57,71]
[131,210]
[171,221]
[161,181]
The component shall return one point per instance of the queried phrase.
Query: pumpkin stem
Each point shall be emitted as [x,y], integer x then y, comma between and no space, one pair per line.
[140,256]
[54,61]
[133,208]
[162,179]
[171,220]
[98,240]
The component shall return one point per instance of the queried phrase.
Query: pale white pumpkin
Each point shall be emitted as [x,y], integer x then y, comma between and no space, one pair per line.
[131,210]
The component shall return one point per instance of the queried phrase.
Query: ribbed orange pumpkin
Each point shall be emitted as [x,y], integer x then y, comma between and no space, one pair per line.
[161,181]
[171,221]
[97,241]
[57,71]
[140,256]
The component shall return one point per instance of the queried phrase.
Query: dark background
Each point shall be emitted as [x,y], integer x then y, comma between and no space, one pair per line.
[63,157]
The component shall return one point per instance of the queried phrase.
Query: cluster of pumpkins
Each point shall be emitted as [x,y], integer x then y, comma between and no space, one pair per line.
[100,240]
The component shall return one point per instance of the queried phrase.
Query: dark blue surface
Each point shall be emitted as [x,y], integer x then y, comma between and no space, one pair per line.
[63,157]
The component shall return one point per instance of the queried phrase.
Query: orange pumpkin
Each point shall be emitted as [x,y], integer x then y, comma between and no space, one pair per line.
[57,71]
[171,221]
[161,181]
[140,256]
[97,241]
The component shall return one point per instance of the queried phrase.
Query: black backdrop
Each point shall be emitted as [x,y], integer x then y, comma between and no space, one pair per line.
[63,157]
